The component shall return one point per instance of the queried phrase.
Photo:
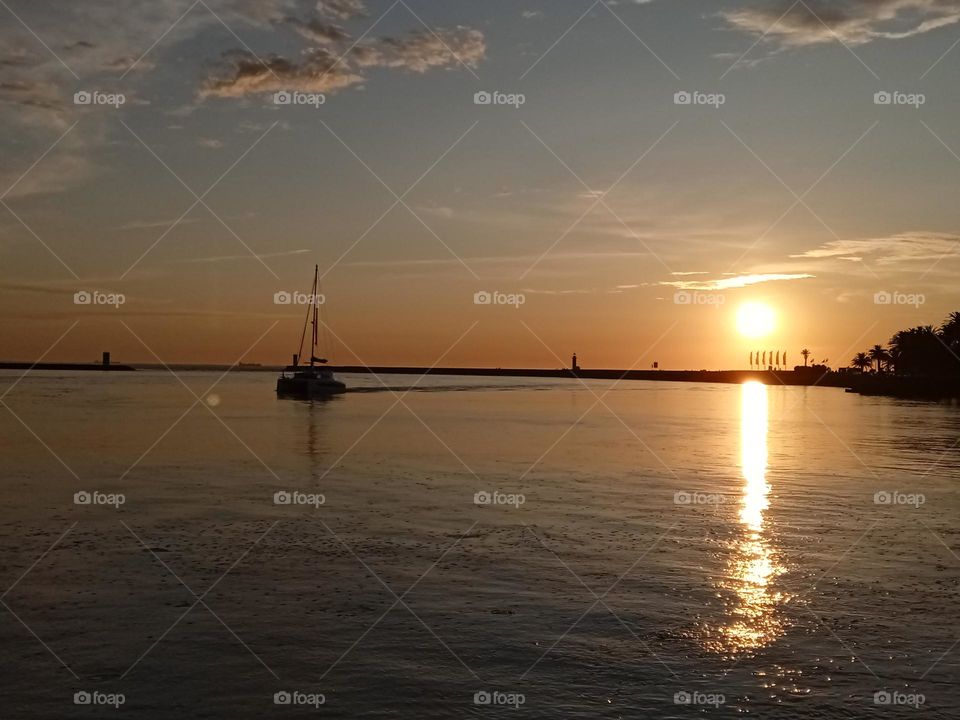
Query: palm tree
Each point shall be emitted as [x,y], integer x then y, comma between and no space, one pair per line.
[861,361]
[806,354]
[918,351]
[950,330]
[878,355]
[921,351]
[950,334]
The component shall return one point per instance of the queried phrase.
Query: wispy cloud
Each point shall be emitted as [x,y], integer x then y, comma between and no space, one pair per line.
[244,73]
[438,211]
[341,9]
[498,259]
[148,224]
[319,31]
[39,78]
[422,50]
[854,22]
[247,256]
[891,250]
[616,290]
[55,51]
[738,281]
[536,291]
[333,67]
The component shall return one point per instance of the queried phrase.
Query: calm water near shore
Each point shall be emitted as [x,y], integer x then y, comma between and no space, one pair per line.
[788,552]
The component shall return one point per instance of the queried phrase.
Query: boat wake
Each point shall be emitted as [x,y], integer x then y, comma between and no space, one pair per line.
[446,388]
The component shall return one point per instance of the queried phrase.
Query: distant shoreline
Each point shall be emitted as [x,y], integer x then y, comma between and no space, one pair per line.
[906,387]
[769,377]
[99,367]
[861,383]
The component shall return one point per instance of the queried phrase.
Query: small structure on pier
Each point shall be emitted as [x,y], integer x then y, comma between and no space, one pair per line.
[573,363]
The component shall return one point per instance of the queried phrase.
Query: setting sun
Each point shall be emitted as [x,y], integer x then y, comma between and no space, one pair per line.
[755,320]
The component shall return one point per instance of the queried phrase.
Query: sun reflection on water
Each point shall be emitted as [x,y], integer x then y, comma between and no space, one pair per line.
[754,618]
[753,454]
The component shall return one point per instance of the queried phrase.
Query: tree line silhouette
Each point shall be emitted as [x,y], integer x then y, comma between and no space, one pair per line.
[922,351]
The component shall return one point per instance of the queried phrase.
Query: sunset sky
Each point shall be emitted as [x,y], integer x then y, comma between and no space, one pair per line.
[598,199]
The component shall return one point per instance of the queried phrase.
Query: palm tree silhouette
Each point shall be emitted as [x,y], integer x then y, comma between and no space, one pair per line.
[861,361]
[918,351]
[950,334]
[923,359]
[878,355]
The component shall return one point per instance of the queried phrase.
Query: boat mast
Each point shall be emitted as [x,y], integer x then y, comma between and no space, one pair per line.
[316,282]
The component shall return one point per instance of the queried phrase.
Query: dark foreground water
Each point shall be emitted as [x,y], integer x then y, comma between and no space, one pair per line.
[483,549]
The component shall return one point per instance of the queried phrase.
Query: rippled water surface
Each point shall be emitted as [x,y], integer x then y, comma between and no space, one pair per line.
[583,551]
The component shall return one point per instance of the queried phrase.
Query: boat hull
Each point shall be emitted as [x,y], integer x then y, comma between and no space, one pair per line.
[309,387]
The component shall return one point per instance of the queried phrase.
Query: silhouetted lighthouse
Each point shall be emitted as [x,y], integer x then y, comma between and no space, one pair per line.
[573,363]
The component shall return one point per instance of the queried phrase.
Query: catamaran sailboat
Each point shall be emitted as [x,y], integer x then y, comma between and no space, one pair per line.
[312,380]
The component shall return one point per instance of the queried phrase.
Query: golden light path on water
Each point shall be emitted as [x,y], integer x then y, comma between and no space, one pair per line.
[754,618]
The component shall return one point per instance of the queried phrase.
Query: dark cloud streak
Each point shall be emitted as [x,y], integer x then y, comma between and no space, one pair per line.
[333,67]
[854,22]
